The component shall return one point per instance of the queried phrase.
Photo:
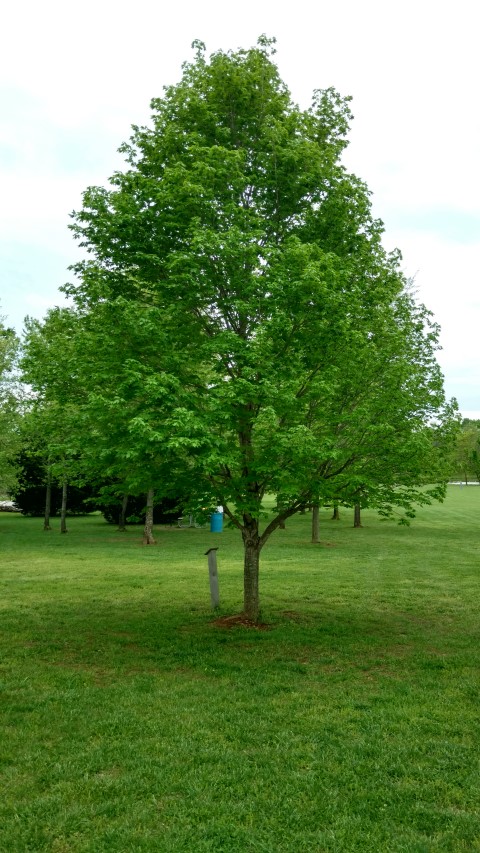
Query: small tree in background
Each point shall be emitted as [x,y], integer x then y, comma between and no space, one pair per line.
[10,409]
[465,461]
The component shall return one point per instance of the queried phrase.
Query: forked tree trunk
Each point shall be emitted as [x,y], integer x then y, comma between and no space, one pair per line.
[315,523]
[336,512]
[148,537]
[122,518]
[356,516]
[252,548]
[63,512]
[48,501]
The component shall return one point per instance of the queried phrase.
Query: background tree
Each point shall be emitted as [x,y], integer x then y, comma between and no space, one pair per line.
[465,462]
[54,417]
[10,409]
[41,467]
[116,381]
[237,226]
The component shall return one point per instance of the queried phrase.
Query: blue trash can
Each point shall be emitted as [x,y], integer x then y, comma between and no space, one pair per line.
[216,522]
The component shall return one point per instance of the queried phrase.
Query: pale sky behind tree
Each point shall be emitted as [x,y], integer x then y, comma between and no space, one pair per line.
[75,77]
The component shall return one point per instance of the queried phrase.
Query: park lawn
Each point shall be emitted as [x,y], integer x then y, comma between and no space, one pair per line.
[349,721]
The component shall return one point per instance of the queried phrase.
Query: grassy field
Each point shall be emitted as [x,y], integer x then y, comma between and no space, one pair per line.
[351,722]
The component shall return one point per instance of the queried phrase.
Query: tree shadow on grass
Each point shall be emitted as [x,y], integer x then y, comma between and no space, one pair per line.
[115,641]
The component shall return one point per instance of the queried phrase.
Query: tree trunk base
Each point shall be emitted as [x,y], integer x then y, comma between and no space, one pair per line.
[251,608]
[63,512]
[315,524]
[148,537]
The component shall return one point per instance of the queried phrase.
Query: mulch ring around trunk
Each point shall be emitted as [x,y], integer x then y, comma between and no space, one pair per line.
[241,620]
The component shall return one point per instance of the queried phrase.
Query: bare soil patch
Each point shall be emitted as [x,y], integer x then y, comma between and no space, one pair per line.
[239,620]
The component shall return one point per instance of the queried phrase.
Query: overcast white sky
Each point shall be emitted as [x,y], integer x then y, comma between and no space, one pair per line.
[74,77]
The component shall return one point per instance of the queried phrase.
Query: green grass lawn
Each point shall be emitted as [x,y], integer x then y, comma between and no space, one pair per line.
[131,722]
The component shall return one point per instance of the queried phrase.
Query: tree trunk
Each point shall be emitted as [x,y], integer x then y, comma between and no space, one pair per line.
[336,512]
[63,512]
[123,514]
[48,501]
[315,523]
[252,547]
[356,516]
[148,538]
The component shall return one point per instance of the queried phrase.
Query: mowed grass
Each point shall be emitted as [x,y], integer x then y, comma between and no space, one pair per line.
[131,722]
